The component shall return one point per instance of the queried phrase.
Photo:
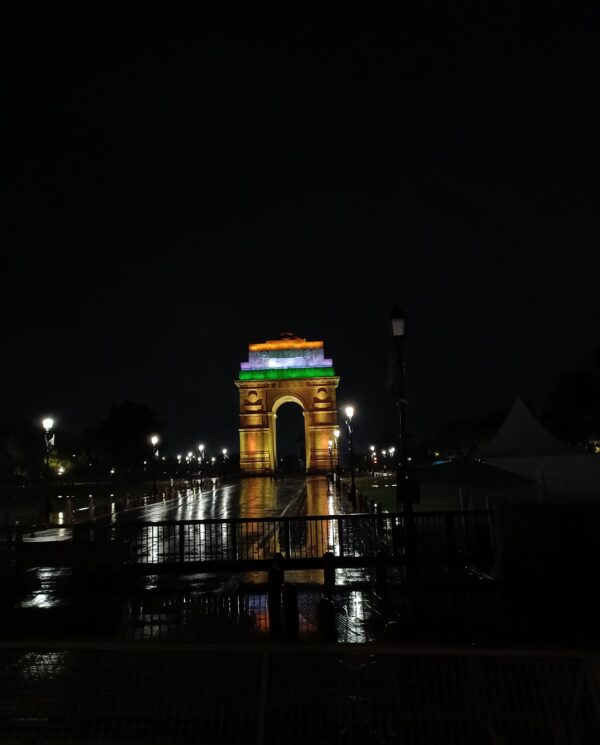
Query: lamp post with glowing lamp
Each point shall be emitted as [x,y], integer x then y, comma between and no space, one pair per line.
[188,460]
[331,460]
[154,440]
[224,453]
[47,424]
[336,435]
[201,462]
[349,415]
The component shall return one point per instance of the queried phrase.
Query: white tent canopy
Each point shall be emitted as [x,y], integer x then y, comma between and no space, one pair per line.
[562,473]
[522,436]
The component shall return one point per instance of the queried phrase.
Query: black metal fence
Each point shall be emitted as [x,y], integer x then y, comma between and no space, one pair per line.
[353,540]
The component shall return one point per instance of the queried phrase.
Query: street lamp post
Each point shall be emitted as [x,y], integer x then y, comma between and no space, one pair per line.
[224,459]
[188,459]
[403,494]
[331,460]
[336,435]
[349,415]
[201,462]
[47,424]
[373,458]
[154,440]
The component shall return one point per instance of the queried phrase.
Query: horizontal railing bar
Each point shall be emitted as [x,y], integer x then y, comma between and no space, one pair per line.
[417,516]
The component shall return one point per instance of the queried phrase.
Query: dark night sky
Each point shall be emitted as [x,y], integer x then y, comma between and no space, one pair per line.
[181,185]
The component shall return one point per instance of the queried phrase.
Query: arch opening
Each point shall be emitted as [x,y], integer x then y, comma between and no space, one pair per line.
[290,439]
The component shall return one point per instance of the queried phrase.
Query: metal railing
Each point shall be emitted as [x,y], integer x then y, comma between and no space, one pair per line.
[353,540]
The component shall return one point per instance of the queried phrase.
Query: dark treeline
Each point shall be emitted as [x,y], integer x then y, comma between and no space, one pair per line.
[117,445]
[571,412]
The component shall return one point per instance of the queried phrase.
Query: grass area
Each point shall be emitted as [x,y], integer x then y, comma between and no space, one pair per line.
[382,489]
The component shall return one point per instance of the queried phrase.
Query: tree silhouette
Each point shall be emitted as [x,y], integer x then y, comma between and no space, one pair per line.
[122,441]
[572,411]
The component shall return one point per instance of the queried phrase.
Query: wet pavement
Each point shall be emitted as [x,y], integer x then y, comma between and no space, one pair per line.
[450,606]
[201,606]
[200,658]
[259,497]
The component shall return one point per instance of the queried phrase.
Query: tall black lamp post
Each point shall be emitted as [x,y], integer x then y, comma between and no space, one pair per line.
[154,440]
[349,415]
[225,456]
[188,460]
[403,492]
[47,424]
[331,471]
[201,463]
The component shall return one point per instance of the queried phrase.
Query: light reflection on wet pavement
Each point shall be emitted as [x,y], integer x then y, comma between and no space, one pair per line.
[210,607]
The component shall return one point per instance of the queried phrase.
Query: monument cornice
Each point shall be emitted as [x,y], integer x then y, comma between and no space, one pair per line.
[332,380]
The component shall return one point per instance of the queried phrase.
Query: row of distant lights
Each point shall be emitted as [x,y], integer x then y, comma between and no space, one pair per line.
[155,440]
[48,424]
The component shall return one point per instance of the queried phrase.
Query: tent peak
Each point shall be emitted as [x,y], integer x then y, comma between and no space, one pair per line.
[522,435]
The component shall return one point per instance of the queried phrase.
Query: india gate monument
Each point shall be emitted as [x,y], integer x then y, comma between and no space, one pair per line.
[289,369]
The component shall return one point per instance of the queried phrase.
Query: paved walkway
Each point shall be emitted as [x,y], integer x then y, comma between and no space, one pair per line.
[250,497]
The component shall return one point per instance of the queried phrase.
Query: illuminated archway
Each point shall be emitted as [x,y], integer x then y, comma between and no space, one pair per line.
[281,371]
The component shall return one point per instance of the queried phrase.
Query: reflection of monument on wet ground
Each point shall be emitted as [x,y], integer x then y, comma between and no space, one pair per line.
[257,498]
[286,370]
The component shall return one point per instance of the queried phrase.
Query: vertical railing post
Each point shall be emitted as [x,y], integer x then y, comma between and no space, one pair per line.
[340,522]
[286,539]
[291,621]
[181,527]
[379,523]
[326,627]
[396,542]
[233,541]
[328,572]
[275,583]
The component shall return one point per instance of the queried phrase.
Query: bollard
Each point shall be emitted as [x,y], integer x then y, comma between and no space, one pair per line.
[69,511]
[381,570]
[278,562]
[326,620]
[291,622]
[274,599]
[328,571]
